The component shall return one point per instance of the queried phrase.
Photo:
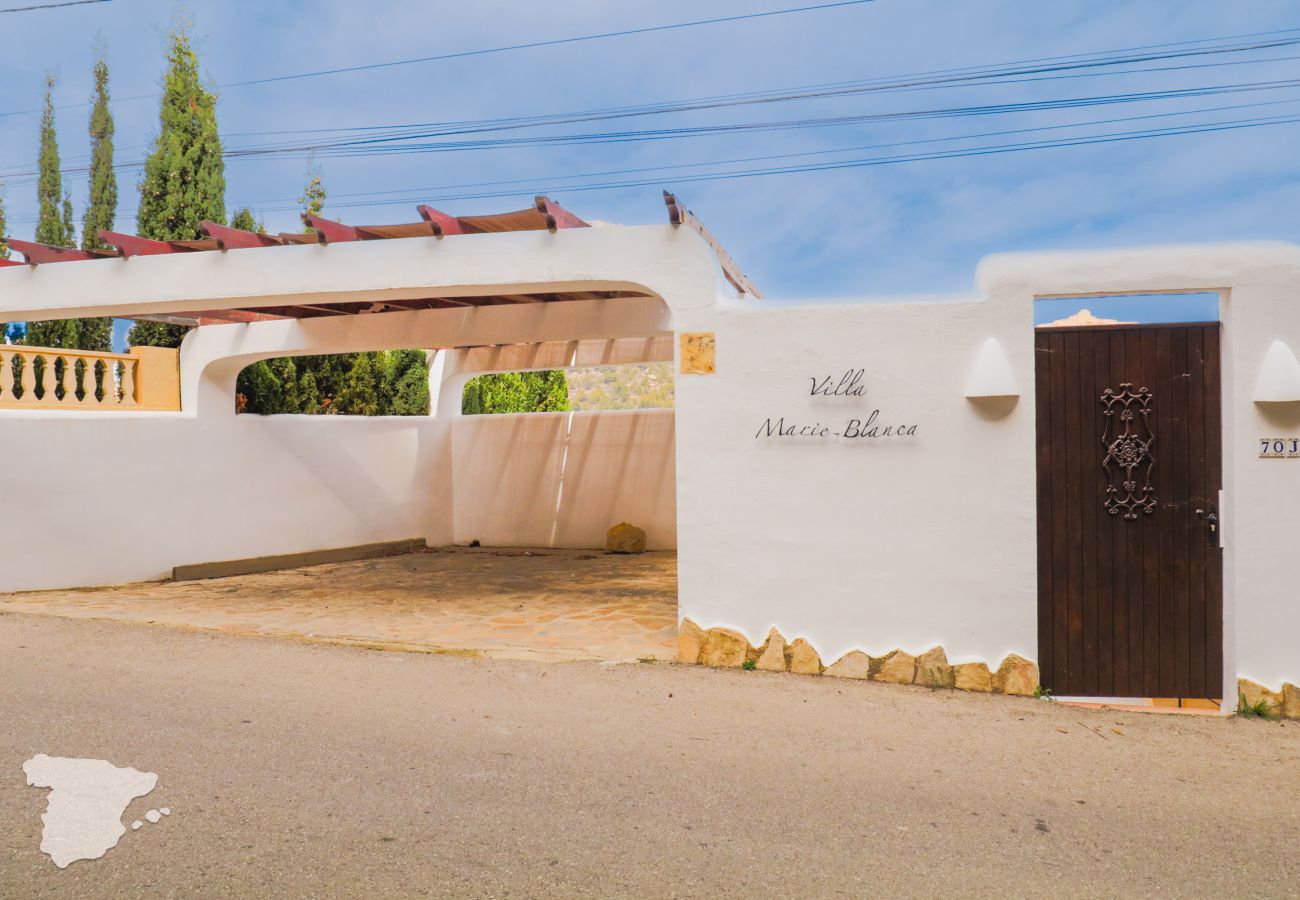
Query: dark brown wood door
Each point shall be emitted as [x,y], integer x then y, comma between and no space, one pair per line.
[1130,578]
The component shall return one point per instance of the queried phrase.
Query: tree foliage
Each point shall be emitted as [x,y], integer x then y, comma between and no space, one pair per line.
[55,226]
[185,175]
[313,196]
[393,383]
[511,392]
[243,218]
[101,206]
[54,217]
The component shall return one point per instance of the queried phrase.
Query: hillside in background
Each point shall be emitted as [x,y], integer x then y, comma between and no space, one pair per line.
[622,387]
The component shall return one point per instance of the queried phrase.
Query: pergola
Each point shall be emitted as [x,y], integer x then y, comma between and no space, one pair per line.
[544,215]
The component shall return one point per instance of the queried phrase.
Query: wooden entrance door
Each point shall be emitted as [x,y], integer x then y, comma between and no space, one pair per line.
[1130,575]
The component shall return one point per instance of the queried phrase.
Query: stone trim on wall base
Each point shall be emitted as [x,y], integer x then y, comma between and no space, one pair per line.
[1283,704]
[726,648]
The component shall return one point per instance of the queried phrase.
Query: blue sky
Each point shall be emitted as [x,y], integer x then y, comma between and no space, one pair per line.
[915,227]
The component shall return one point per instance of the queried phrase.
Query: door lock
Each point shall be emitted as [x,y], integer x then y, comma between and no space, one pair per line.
[1211,518]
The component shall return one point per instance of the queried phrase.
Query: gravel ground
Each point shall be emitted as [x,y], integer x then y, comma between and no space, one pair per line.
[299,770]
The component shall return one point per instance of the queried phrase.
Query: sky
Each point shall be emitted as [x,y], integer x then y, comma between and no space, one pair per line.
[917,226]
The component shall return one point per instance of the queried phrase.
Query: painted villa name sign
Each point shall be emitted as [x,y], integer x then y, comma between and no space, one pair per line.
[849,386]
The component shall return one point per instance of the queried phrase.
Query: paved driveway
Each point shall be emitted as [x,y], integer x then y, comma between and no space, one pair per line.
[299,770]
[540,604]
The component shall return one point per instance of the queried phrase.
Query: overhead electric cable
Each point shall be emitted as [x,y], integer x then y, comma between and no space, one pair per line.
[18,9]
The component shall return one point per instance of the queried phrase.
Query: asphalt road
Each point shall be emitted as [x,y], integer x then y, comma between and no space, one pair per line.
[295,770]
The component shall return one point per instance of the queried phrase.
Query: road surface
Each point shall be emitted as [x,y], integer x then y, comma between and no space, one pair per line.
[301,770]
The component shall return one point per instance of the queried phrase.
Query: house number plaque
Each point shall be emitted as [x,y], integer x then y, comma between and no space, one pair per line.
[1279,448]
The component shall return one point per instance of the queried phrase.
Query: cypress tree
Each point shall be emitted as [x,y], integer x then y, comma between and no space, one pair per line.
[361,393]
[55,226]
[52,226]
[243,218]
[185,176]
[101,207]
[308,395]
[408,384]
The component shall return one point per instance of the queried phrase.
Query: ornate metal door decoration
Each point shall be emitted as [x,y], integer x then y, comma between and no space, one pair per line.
[1128,457]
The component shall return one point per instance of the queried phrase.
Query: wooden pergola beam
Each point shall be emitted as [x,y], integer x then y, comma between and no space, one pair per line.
[331,232]
[441,223]
[679,215]
[557,216]
[38,254]
[228,238]
[128,245]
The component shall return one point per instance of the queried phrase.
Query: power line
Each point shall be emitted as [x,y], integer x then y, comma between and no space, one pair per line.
[555,42]
[18,9]
[627,32]
[542,186]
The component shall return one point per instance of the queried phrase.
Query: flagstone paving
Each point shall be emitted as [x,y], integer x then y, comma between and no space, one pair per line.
[512,603]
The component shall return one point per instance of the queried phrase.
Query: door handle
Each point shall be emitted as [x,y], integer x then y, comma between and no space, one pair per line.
[1211,518]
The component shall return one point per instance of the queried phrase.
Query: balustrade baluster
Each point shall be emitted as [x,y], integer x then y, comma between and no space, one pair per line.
[29,378]
[128,382]
[84,381]
[7,377]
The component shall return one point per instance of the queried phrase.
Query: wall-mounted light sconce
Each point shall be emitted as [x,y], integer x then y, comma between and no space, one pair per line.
[991,387]
[1279,376]
[991,375]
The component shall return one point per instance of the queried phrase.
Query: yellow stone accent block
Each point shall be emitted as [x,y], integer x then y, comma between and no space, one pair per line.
[690,640]
[1017,676]
[1251,693]
[1291,701]
[724,648]
[972,677]
[158,378]
[854,664]
[897,668]
[932,669]
[698,353]
[804,659]
[772,659]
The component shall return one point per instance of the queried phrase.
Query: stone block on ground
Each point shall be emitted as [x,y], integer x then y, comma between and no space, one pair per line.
[897,668]
[724,648]
[932,669]
[804,659]
[972,677]
[1016,676]
[772,659]
[625,538]
[690,640]
[1291,701]
[854,664]
[1252,693]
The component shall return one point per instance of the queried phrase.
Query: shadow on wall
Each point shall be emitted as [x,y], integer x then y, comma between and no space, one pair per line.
[562,479]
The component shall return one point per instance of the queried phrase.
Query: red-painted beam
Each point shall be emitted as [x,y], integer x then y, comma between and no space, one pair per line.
[10,262]
[133,245]
[36,254]
[331,232]
[441,223]
[228,238]
[228,316]
[557,216]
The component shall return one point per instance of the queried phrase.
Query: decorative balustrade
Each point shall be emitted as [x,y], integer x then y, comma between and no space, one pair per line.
[147,378]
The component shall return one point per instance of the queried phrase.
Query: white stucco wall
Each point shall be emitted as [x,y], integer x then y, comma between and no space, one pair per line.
[563,479]
[930,539]
[872,544]
[107,498]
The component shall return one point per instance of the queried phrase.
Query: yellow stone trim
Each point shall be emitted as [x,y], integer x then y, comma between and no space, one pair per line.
[726,648]
[698,353]
[1017,676]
